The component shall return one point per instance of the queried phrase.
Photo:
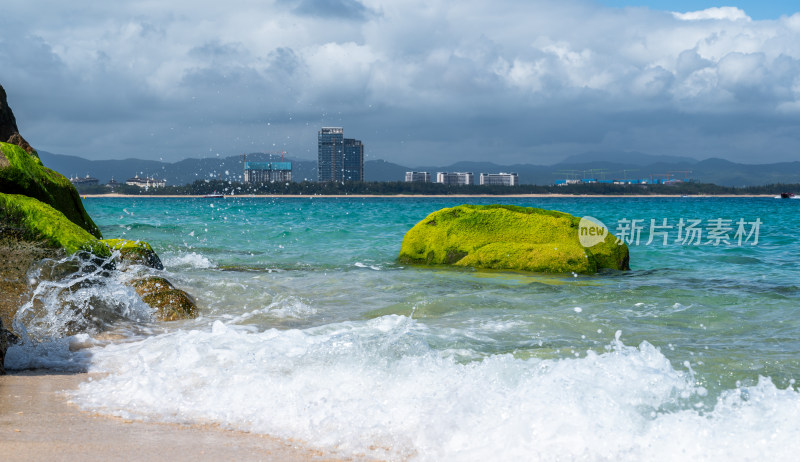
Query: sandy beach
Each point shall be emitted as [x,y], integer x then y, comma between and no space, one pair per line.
[37,423]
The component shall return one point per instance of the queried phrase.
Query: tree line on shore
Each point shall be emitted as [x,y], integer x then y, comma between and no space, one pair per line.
[204,187]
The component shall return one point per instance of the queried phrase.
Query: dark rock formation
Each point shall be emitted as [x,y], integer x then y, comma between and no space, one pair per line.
[8,125]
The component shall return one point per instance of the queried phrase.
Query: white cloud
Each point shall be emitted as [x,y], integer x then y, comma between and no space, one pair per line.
[726,13]
[427,68]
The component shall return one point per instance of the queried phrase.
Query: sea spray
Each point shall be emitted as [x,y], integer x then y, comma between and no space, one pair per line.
[71,299]
[77,294]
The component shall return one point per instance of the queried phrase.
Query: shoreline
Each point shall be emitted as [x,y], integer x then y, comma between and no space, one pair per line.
[37,422]
[422,196]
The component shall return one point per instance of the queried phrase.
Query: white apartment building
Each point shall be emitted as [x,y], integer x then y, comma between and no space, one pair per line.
[457,178]
[500,179]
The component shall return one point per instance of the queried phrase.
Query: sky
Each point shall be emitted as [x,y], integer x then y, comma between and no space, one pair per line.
[420,82]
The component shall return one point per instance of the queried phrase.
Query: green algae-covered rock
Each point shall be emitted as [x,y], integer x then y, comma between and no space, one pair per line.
[172,304]
[31,232]
[35,221]
[508,237]
[135,252]
[23,173]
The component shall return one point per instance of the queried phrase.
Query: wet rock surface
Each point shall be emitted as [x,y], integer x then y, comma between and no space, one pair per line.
[134,253]
[172,303]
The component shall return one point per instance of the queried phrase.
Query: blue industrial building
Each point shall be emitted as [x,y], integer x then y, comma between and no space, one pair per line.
[267,172]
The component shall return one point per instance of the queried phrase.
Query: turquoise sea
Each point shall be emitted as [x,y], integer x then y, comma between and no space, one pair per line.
[311,330]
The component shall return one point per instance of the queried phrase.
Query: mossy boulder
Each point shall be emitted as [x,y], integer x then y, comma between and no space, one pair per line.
[134,252]
[35,221]
[23,173]
[172,304]
[508,237]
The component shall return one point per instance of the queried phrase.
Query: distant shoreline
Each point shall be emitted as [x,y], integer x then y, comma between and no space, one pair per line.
[422,196]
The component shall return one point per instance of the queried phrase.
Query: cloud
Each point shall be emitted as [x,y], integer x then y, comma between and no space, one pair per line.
[727,13]
[416,80]
[344,9]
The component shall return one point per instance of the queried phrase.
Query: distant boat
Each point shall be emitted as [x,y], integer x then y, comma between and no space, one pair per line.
[214,196]
[787,195]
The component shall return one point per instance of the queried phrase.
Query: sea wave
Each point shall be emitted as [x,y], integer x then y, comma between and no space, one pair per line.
[376,387]
[188,260]
[280,307]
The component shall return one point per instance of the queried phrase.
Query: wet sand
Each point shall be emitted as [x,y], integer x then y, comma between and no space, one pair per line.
[37,423]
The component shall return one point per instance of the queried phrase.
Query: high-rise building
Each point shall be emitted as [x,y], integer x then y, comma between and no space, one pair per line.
[353,160]
[339,158]
[499,179]
[456,178]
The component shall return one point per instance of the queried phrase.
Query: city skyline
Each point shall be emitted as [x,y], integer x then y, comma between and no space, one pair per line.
[517,82]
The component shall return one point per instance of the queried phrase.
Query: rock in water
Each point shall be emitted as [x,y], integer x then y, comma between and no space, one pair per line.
[508,237]
[134,253]
[172,304]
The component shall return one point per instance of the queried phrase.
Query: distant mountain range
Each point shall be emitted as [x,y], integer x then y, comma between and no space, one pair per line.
[600,165]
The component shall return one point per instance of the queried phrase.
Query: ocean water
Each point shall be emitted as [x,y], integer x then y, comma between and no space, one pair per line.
[311,330]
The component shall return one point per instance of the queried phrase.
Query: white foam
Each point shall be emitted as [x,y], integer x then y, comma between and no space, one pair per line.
[62,354]
[188,260]
[376,387]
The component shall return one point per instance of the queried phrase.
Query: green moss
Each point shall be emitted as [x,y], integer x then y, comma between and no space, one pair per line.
[507,237]
[37,221]
[610,255]
[22,173]
[134,252]
[540,258]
